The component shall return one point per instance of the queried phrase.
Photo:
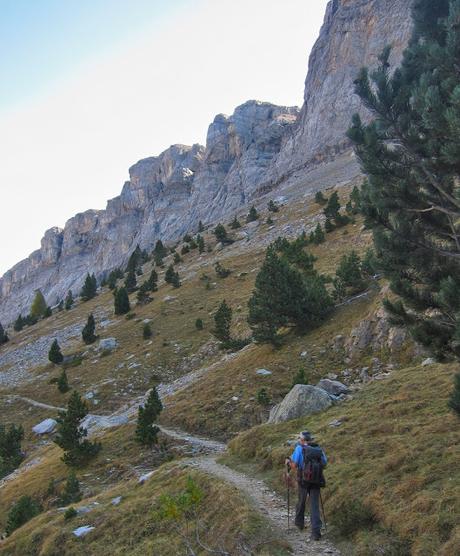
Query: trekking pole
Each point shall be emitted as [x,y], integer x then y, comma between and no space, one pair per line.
[288,484]
[322,507]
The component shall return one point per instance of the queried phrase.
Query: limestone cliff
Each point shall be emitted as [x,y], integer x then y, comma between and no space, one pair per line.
[260,147]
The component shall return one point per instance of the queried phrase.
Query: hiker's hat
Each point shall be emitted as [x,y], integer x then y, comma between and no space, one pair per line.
[305,435]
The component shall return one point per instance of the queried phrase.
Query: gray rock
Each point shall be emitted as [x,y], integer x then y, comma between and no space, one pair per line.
[83,530]
[333,387]
[145,477]
[115,501]
[45,427]
[263,372]
[108,344]
[302,400]
[89,395]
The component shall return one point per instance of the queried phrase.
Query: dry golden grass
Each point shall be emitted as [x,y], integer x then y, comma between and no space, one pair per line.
[397,453]
[133,528]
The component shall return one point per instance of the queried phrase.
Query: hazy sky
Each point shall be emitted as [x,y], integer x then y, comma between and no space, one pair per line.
[88,87]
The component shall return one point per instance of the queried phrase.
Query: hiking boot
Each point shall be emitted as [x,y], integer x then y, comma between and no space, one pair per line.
[315,536]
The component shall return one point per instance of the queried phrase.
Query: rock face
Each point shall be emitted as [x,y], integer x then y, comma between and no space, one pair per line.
[302,400]
[261,147]
[333,387]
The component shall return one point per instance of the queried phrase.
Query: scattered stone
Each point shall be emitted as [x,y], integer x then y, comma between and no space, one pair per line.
[302,400]
[331,376]
[428,361]
[115,501]
[335,423]
[82,531]
[263,372]
[304,354]
[338,343]
[364,374]
[146,321]
[169,298]
[45,427]
[235,398]
[108,344]
[89,395]
[219,246]
[333,387]
[145,477]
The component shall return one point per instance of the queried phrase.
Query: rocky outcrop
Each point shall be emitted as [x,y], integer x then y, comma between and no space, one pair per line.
[260,147]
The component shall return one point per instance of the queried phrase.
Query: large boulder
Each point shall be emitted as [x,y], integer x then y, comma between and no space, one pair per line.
[302,400]
[333,387]
[45,427]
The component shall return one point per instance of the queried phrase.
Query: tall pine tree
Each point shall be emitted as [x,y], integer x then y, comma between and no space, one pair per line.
[410,152]
[121,301]
[3,335]
[87,334]
[55,354]
[39,306]
[89,288]
[146,431]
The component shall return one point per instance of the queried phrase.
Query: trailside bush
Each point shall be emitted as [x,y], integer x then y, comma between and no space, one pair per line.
[10,448]
[147,331]
[21,512]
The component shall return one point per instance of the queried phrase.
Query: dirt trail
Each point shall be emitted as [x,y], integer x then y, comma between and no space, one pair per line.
[269,504]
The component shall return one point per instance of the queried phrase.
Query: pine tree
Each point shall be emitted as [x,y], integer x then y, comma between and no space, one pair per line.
[87,333]
[3,335]
[410,152]
[63,382]
[328,226]
[177,258]
[318,235]
[113,277]
[200,243]
[283,297]
[200,227]
[10,448]
[121,301]
[89,288]
[146,431]
[135,260]
[235,224]
[21,512]
[69,301]
[48,312]
[152,282]
[39,306]
[131,281]
[332,209]
[185,249]
[320,199]
[169,274]
[160,250]
[71,437]
[55,354]
[221,233]
[222,323]
[355,200]
[349,277]
[142,295]
[72,491]
[199,324]
[454,401]
[272,206]
[18,323]
[252,214]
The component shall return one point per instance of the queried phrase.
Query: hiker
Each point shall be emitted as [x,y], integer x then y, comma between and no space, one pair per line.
[309,459]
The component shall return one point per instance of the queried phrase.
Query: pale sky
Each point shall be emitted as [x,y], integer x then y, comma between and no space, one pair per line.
[89,87]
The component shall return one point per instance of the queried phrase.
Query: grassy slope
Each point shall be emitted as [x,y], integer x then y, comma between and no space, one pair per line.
[133,527]
[397,454]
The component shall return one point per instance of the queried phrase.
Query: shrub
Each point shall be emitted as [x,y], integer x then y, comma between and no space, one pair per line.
[454,401]
[69,301]
[185,249]
[70,513]
[62,382]
[3,335]
[121,301]
[21,512]
[272,206]
[147,331]
[223,321]
[320,199]
[199,324]
[269,221]
[87,333]
[221,233]
[39,306]
[10,448]
[349,277]
[89,288]
[221,271]
[235,224]
[177,258]
[253,215]
[262,397]
[300,378]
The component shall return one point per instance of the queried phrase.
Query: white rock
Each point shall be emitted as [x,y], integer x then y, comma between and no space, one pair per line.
[169,298]
[263,372]
[82,531]
[235,398]
[45,427]
[89,395]
[145,477]
[428,361]
[115,501]
[304,354]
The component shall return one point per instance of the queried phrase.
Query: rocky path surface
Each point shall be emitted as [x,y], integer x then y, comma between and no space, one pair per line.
[269,504]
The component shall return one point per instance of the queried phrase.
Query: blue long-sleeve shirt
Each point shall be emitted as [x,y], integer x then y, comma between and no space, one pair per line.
[297,457]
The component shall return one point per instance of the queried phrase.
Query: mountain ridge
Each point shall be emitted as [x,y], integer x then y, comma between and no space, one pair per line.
[261,147]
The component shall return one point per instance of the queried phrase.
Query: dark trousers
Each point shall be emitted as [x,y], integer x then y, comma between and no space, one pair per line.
[315,516]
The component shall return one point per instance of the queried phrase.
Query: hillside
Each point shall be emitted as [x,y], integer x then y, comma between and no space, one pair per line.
[217,398]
